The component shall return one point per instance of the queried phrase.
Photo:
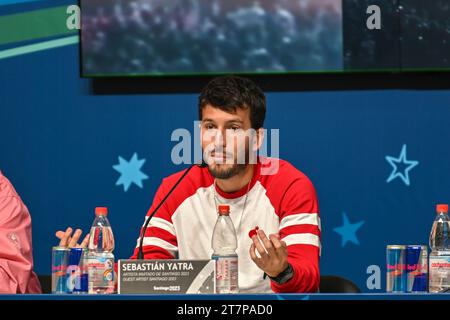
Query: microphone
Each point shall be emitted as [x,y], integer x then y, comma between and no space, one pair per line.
[144,229]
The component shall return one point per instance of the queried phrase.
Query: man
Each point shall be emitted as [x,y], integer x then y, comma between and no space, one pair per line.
[282,204]
[16,255]
[282,201]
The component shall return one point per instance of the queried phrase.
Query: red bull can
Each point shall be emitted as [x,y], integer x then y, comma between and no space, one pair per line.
[416,268]
[395,268]
[77,281]
[60,256]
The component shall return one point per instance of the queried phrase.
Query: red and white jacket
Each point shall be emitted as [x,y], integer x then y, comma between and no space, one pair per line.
[284,203]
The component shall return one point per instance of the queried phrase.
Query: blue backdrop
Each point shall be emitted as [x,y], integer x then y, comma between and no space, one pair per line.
[378,159]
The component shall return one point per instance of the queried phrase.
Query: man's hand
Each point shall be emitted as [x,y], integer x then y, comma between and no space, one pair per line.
[72,242]
[273,253]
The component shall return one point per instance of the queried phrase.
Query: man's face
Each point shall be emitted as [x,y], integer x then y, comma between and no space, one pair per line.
[226,141]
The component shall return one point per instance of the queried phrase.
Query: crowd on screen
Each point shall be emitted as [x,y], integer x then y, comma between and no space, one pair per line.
[153,36]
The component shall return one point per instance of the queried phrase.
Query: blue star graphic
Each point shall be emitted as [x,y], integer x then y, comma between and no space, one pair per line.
[348,230]
[130,172]
[408,164]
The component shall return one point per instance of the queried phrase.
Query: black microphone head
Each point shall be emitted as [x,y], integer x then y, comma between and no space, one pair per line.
[203,164]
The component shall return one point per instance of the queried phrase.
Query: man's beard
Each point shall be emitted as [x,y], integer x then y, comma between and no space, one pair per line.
[226,173]
[225,169]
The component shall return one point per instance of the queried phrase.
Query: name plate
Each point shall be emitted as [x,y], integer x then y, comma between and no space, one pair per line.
[166,276]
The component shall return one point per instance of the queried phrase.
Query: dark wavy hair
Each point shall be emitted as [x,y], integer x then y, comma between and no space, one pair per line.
[228,93]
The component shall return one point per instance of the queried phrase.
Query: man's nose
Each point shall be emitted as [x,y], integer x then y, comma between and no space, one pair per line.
[220,138]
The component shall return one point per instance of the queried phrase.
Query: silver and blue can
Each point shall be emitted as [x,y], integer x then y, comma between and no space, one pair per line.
[395,268]
[60,256]
[416,268]
[77,282]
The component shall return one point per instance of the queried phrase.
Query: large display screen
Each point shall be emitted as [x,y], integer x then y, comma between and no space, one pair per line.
[202,37]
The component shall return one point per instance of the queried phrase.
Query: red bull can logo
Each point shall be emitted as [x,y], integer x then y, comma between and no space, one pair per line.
[60,256]
[395,268]
[416,268]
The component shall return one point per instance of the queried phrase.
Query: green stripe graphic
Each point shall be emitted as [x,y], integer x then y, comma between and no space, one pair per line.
[34,25]
[38,47]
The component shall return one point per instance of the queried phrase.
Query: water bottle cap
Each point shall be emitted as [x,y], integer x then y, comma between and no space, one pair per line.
[101,211]
[253,232]
[442,208]
[224,209]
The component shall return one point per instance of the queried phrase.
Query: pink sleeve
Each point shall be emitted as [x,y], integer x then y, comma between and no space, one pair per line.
[16,257]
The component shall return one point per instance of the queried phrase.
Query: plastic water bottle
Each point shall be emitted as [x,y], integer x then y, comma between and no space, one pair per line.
[439,263]
[224,244]
[99,258]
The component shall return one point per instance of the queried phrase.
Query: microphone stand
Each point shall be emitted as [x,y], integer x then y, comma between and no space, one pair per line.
[140,255]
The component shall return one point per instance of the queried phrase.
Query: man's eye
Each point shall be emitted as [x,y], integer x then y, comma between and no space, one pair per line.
[235,128]
[209,126]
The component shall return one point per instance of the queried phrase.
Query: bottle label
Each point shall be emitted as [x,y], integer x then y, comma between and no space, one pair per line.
[439,273]
[226,274]
[100,274]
